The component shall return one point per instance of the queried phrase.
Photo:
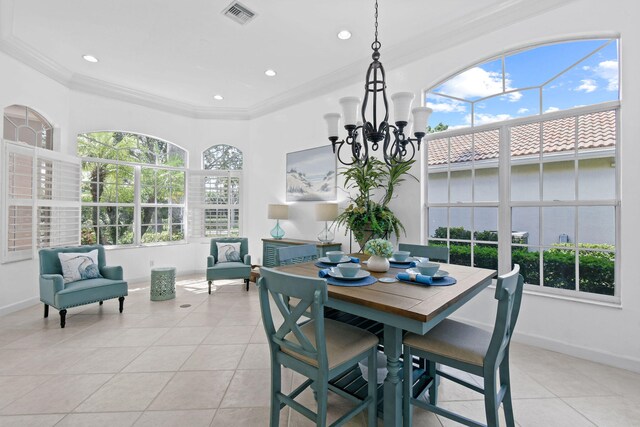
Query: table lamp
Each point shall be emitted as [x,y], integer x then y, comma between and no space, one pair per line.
[326,212]
[278,212]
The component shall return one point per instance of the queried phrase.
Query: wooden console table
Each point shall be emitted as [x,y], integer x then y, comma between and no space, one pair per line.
[270,248]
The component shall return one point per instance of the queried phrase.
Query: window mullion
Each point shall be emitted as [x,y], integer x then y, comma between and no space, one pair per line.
[504,198]
[137,210]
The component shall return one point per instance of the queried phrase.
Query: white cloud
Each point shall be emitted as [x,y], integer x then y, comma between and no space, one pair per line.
[587,85]
[523,110]
[551,109]
[586,67]
[608,70]
[448,106]
[478,83]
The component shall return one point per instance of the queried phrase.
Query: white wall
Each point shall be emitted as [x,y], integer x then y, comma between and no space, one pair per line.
[594,331]
[589,330]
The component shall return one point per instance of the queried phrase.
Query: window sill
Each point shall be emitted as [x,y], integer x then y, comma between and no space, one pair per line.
[610,302]
[148,245]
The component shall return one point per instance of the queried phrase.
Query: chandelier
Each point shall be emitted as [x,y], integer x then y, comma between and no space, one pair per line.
[396,147]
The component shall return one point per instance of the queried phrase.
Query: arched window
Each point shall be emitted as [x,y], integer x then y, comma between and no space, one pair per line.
[546,118]
[215,202]
[22,124]
[133,189]
[40,187]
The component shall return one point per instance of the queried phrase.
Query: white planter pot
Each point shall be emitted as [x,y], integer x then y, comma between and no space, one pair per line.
[378,264]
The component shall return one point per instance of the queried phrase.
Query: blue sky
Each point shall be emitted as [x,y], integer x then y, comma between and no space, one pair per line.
[564,84]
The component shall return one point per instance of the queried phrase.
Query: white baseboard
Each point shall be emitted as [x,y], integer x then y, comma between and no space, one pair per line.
[19,305]
[591,354]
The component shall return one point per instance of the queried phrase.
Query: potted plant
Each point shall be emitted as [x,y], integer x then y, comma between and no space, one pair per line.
[380,251]
[368,218]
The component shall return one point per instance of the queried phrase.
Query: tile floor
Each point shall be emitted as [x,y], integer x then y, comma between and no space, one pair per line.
[202,360]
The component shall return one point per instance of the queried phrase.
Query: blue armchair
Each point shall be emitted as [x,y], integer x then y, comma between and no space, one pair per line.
[229,270]
[54,292]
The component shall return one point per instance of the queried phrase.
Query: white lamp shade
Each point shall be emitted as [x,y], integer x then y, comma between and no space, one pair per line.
[349,109]
[326,211]
[401,105]
[278,212]
[421,118]
[333,121]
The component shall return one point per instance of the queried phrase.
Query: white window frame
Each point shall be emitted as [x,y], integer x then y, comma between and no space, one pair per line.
[198,204]
[505,204]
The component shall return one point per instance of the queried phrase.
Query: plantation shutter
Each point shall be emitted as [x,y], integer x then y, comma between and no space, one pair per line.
[41,191]
[18,163]
[214,203]
[58,199]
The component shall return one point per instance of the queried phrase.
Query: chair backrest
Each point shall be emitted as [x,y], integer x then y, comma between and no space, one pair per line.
[509,295]
[50,263]
[434,253]
[312,293]
[297,254]
[244,245]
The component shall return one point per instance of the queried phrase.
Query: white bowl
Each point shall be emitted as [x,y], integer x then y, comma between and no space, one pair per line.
[349,269]
[428,268]
[381,371]
[335,256]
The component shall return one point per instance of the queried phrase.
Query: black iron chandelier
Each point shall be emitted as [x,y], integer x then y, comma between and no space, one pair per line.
[396,148]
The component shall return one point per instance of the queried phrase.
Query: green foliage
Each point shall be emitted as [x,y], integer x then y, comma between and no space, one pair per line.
[597,271]
[379,247]
[365,217]
[222,157]
[438,128]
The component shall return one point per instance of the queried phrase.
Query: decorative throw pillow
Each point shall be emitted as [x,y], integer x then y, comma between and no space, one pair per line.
[79,266]
[228,252]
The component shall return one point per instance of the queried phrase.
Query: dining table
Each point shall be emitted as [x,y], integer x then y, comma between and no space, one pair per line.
[400,307]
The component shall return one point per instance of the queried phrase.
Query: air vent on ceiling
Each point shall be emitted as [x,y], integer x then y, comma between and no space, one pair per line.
[239,13]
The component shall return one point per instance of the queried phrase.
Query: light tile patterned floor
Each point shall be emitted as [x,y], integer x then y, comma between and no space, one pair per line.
[162,364]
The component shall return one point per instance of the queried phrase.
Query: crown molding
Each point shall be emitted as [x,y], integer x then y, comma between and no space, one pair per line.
[465,29]
[106,89]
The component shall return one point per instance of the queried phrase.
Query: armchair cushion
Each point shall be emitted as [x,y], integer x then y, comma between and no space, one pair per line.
[80,265]
[228,251]
[88,291]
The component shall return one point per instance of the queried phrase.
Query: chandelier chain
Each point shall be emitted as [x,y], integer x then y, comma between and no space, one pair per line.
[376,24]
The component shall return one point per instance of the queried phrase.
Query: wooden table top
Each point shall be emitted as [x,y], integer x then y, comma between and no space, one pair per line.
[417,302]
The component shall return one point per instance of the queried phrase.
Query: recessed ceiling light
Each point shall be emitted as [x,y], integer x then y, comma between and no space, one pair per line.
[270,73]
[344,35]
[89,58]
[218,97]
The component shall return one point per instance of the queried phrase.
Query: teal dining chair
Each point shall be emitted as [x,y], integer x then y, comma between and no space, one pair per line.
[472,350]
[320,349]
[434,253]
[297,254]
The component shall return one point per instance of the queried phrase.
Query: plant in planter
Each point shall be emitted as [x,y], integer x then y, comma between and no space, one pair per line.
[368,218]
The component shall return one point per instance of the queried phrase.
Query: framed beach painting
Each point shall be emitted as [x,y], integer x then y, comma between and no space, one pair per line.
[311,175]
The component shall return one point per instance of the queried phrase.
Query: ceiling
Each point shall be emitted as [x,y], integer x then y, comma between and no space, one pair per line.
[176,55]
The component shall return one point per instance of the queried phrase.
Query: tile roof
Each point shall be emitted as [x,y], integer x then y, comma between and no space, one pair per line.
[595,130]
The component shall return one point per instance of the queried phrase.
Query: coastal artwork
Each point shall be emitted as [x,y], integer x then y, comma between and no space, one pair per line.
[311,175]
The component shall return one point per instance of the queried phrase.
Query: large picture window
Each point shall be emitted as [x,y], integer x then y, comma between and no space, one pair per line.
[538,188]
[133,189]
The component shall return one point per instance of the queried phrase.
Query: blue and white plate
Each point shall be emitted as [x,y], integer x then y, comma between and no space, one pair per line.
[409,260]
[361,274]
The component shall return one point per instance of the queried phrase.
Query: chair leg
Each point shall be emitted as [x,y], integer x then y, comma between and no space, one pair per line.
[433,389]
[506,400]
[276,385]
[209,287]
[372,387]
[491,403]
[121,301]
[101,302]
[46,311]
[407,389]
[323,391]
[246,281]
[63,318]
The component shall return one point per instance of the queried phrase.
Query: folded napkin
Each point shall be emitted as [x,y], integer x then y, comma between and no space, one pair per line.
[324,272]
[355,260]
[413,264]
[412,277]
